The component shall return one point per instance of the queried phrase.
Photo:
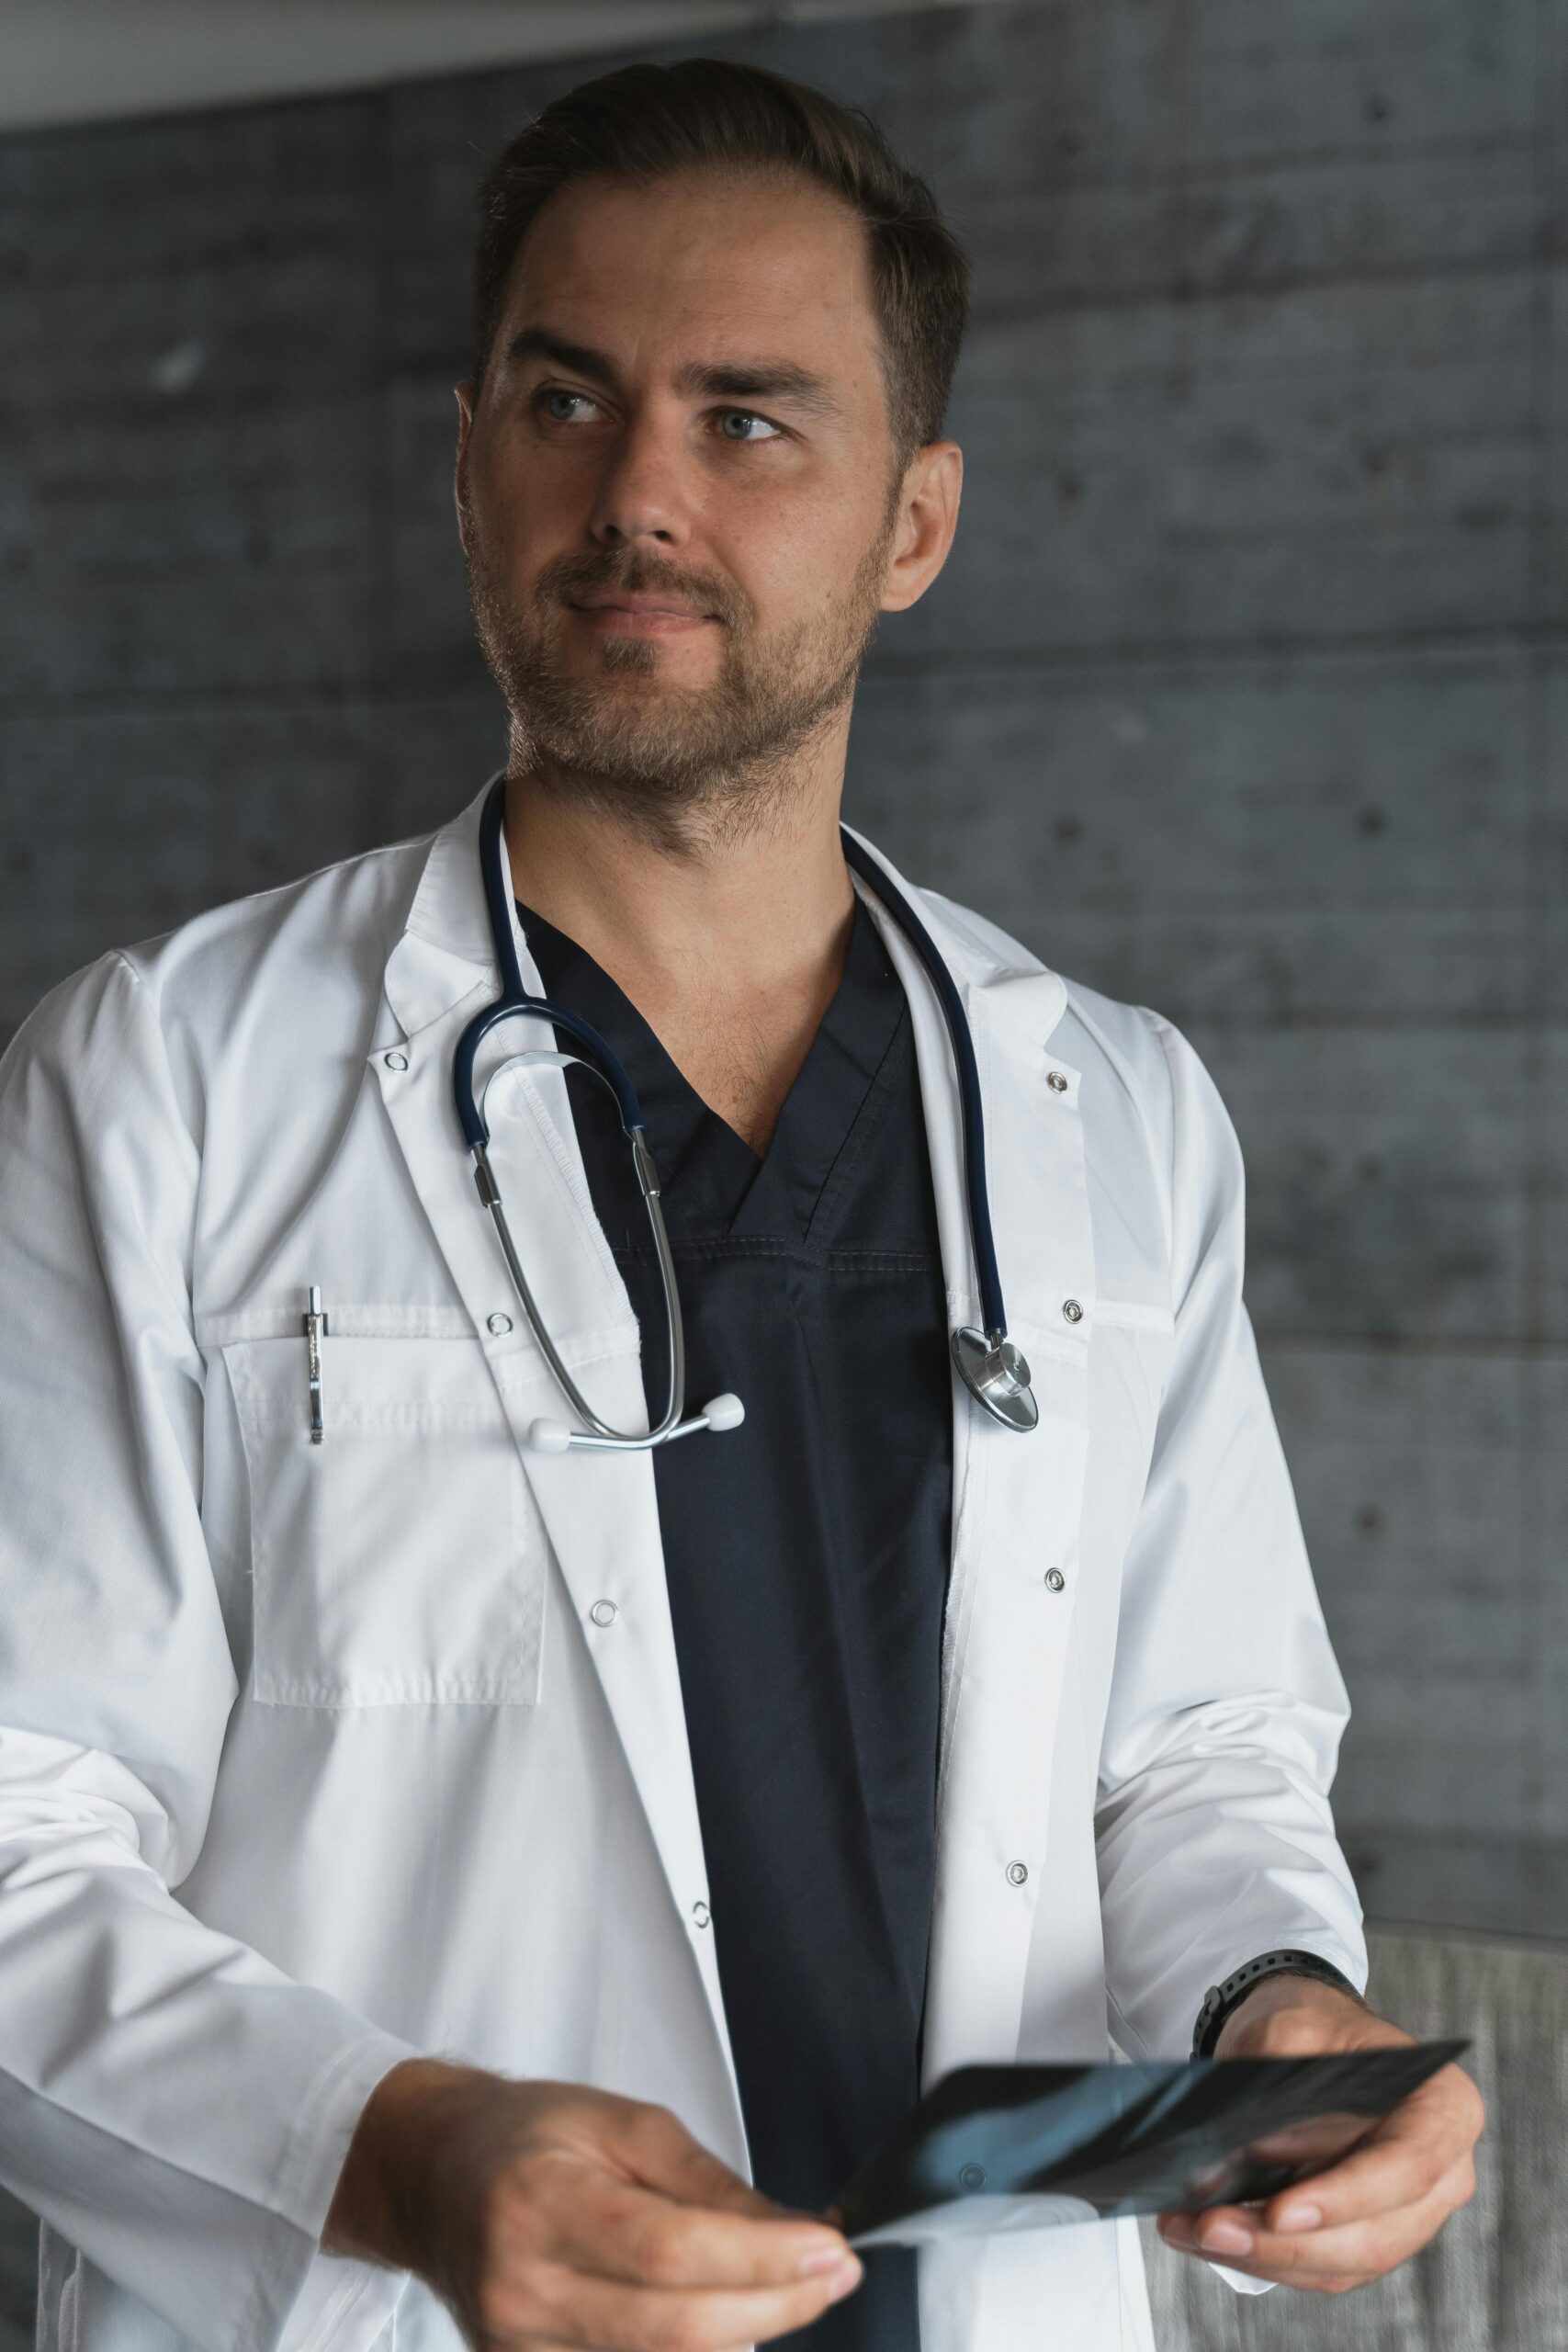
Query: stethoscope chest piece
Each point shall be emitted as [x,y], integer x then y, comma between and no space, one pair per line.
[997,1376]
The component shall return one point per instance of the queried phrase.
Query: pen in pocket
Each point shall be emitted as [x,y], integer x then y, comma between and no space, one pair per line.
[316,1330]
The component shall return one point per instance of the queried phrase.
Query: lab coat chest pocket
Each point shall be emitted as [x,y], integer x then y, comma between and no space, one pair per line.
[401,1560]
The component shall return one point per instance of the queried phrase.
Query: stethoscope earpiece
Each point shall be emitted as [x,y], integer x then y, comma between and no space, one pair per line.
[548,1437]
[723,1412]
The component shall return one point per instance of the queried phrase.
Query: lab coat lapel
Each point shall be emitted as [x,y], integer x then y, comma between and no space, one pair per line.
[1017,1501]
[599,1509]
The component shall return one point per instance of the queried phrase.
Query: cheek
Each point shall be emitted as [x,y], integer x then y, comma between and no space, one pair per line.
[529,493]
[792,556]
[532,492]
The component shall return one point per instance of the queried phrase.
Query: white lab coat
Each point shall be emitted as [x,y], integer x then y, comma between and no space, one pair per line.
[313,1757]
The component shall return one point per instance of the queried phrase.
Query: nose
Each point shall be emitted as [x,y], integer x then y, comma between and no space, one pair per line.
[640,493]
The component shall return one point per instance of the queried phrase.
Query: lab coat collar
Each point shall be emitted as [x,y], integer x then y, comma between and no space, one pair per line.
[996,979]
[442,970]
[446,946]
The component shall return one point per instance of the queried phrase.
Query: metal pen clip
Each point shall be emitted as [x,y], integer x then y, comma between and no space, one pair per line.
[317,1329]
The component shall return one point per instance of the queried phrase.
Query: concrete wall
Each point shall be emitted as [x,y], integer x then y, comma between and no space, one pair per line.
[87,61]
[1242,694]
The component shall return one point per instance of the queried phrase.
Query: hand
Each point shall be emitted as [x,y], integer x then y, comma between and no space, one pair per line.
[547,2214]
[1377,2206]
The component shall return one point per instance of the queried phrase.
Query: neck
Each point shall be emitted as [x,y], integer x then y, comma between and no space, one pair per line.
[729,941]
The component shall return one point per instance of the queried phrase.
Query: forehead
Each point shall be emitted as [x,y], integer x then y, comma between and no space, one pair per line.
[738,261]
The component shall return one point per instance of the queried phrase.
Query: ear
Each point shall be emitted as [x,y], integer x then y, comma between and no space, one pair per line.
[928,517]
[465,392]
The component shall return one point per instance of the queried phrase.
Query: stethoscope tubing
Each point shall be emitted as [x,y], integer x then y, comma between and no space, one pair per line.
[515,1002]
[993,1313]
[984,1358]
[598,1432]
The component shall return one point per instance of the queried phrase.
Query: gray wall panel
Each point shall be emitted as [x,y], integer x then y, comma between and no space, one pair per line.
[1340,74]
[1545,1674]
[1547,1304]
[1387,1177]
[1409,1478]
[175,542]
[1550,840]
[1327,461]
[1071,241]
[1237,841]
[189,418]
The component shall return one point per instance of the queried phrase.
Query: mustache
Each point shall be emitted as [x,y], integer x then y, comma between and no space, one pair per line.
[571,577]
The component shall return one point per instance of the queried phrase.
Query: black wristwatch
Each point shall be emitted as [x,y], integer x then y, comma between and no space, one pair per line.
[1223,1998]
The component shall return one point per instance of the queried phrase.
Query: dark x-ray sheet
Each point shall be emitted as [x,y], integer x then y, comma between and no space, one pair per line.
[1023,2147]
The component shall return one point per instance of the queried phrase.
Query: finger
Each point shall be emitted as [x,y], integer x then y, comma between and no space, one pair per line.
[599,2225]
[1177,2234]
[617,2318]
[1402,2161]
[1365,2188]
[1414,2150]
[1363,2248]
[657,2150]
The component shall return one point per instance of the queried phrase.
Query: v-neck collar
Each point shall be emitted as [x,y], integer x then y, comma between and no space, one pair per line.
[716,1186]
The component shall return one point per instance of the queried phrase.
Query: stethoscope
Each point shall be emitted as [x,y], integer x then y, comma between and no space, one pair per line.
[992,1368]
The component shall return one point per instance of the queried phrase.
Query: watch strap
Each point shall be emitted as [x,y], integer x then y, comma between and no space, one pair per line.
[1220,1999]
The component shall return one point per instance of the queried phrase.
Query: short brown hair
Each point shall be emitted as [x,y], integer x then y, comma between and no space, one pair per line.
[644,122]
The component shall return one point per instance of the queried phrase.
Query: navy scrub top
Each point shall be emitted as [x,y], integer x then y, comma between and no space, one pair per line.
[806,1559]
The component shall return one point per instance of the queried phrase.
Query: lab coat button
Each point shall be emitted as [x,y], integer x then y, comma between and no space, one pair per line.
[1072,1310]
[396,1062]
[701,1914]
[602,1612]
[1016,1873]
[972,2177]
[1055,1580]
[498,1326]
[1056,1082]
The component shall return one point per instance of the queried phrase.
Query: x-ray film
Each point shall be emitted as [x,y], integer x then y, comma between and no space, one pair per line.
[1026,2147]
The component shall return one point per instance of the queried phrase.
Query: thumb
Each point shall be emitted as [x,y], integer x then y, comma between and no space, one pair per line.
[661,2154]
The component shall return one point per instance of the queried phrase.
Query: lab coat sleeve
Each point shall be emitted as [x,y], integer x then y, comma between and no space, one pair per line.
[1214,1828]
[171,2102]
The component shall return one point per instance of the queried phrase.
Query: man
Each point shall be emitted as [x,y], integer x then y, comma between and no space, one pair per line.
[562,1837]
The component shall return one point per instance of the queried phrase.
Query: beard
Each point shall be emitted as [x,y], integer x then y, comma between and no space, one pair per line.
[670,760]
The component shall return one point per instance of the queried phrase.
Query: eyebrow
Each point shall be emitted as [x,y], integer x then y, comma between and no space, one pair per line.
[763,379]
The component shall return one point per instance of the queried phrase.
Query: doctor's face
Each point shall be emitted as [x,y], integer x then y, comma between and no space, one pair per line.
[684,408]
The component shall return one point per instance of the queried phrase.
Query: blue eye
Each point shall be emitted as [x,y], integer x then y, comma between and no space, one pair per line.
[744,417]
[555,392]
[747,417]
